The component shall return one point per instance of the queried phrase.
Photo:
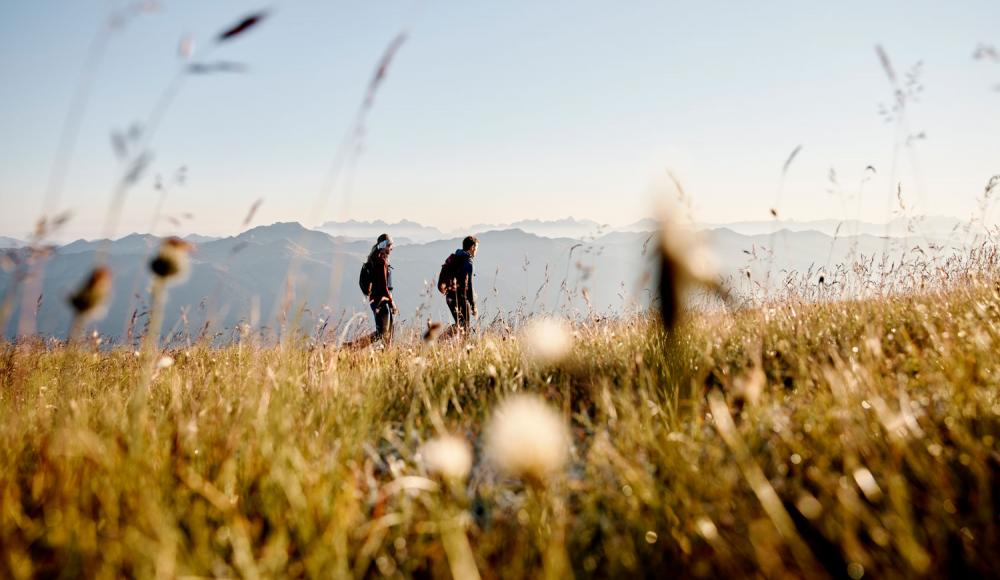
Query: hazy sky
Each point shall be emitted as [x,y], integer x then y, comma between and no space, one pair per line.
[495,111]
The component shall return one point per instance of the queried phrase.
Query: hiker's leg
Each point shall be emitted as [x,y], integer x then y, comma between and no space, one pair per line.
[452,307]
[463,310]
[382,319]
[375,335]
[381,311]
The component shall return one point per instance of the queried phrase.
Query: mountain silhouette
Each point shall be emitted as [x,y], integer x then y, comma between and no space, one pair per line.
[285,274]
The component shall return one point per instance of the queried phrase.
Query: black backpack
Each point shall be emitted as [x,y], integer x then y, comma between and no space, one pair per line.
[365,279]
[448,278]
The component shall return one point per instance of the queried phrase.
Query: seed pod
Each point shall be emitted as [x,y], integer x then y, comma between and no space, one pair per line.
[433,331]
[93,293]
[173,259]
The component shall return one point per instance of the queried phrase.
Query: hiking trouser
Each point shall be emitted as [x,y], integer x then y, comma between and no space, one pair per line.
[459,308]
[383,321]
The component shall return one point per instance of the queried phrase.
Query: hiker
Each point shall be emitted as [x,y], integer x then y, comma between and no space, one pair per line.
[376,283]
[455,282]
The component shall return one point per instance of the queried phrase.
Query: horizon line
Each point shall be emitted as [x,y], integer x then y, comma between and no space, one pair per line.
[602,229]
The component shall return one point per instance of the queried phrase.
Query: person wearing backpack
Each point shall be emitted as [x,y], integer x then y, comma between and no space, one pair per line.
[455,282]
[376,284]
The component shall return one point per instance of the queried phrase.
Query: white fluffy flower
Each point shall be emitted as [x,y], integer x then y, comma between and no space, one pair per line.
[448,456]
[547,340]
[165,361]
[527,438]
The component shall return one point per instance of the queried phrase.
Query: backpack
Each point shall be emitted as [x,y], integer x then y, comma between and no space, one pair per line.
[448,278]
[365,279]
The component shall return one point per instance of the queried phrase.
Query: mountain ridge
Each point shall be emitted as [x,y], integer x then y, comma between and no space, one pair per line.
[406,231]
[516,271]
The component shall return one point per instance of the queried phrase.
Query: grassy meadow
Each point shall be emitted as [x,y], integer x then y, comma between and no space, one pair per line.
[785,439]
[839,423]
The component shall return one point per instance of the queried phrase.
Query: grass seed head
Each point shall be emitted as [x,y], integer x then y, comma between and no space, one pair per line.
[684,261]
[91,296]
[433,331]
[173,260]
[527,438]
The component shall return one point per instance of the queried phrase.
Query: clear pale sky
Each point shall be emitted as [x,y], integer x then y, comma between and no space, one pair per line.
[494,112]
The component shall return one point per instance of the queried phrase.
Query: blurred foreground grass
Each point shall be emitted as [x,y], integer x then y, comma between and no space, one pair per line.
[851,439]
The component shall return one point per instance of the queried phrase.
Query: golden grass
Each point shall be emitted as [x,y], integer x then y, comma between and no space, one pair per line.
[849,439]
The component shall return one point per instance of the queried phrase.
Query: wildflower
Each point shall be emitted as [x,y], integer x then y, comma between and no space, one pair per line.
[547,340]
[165,361]
[527,438]
[173,259]
[448,456]
[93,293]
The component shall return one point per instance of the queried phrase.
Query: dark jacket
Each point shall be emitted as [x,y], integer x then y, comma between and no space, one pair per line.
[463,282]
[381,279]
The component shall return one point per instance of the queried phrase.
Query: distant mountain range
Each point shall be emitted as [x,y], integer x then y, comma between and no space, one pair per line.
[411,232]
[932,226]
[255,276]
[582,229]
[271,275]
[564,228]
[402,231]
[130,244]
[6,242]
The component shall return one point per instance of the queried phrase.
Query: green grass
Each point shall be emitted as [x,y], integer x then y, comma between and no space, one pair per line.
[855,438]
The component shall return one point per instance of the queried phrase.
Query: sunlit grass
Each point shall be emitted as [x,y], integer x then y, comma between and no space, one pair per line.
[855,438]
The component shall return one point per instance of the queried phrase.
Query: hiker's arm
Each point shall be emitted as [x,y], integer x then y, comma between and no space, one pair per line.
[387,276]
[470,294]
